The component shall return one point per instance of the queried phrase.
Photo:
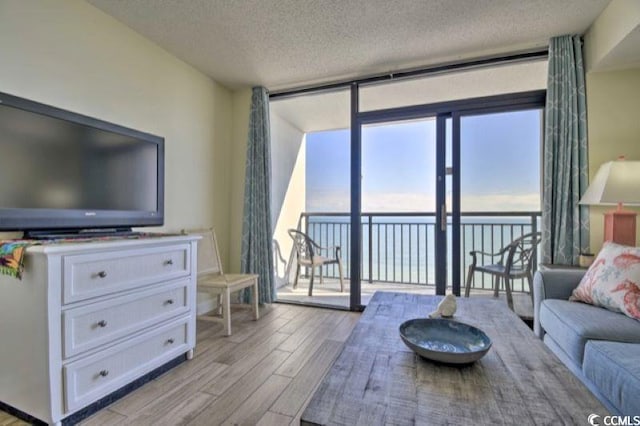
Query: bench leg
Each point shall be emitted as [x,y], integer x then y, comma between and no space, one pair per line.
[256,312]
[219,308]
[226,311]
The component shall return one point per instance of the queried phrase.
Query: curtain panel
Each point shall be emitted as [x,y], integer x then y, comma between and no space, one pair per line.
[257,249]
[565,224]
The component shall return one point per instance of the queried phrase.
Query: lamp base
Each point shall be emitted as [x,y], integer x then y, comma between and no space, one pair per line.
[620,227]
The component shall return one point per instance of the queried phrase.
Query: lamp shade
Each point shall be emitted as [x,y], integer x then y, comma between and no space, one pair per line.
[616,182]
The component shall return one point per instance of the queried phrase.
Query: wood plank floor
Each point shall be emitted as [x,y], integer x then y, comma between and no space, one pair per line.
[264,374]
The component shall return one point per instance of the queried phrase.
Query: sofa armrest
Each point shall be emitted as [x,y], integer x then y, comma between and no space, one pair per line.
[552,284]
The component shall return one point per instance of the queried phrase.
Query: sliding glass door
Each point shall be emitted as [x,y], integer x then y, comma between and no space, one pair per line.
[399,204]
[431,183]
[402,203]
[497,191]
[404,192]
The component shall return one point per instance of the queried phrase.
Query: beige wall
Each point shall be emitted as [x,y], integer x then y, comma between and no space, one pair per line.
[610,41]
[69,54]
[613,105]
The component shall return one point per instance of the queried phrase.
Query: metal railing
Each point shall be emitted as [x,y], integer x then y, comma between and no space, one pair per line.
[400,247]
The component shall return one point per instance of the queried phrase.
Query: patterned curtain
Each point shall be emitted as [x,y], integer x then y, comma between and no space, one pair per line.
[257,251]
[565,224]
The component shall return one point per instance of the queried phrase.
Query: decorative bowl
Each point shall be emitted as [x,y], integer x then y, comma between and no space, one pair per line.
[445,340]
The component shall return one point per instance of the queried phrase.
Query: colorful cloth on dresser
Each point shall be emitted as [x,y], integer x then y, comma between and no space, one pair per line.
[12,257]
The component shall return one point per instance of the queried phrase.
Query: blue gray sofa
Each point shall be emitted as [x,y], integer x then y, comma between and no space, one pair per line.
[602,348]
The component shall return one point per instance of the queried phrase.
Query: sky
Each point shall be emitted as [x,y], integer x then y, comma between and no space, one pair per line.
[500,165]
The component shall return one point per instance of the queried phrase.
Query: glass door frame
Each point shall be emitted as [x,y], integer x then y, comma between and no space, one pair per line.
[454,110]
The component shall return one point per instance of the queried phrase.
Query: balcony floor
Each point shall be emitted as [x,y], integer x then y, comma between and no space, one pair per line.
[329,294]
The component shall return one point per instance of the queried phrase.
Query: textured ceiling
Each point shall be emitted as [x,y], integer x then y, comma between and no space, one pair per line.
[288,43]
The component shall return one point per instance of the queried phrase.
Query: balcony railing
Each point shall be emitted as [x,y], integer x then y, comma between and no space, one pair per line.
[400,247]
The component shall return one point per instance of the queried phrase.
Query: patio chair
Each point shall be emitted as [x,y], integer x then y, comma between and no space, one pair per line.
[213,280]
[307,255]
[514,261]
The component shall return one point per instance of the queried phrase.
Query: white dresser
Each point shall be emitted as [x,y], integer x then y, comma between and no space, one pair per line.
[90,318]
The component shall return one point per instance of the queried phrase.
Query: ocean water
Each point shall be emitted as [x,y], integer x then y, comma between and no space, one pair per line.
[402,249]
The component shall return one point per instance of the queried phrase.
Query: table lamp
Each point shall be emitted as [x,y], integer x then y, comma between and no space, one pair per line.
[616,183]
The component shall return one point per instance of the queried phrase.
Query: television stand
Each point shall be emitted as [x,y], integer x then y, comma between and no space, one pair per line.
[56,234]
[91,321]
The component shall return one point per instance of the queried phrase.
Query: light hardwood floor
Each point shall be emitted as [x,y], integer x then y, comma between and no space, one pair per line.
[265,373]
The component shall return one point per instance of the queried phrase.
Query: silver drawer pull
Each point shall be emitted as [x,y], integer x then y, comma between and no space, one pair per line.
[102,323]
[169,302]
[104,373]
[170,341]
[168,262]
[102,274]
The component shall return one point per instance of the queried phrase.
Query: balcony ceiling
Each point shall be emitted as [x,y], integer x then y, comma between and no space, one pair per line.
[288,43]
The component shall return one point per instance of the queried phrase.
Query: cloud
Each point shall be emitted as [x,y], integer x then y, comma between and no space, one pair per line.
[398,202]
[501,202]
[325,201]
[414,202]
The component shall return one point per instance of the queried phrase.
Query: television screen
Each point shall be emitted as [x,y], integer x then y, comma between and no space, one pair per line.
[65,170]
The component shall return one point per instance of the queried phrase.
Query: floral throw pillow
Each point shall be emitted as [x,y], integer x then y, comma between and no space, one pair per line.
[613,280]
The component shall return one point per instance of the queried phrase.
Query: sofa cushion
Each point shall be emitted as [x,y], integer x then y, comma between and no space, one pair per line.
[613,280]
[571,324]
[614,369]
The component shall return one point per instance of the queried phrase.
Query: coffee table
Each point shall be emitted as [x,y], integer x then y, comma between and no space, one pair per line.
[378,380]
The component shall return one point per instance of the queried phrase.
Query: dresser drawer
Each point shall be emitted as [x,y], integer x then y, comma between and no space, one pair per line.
[93,377]
[89,326]
[91,275]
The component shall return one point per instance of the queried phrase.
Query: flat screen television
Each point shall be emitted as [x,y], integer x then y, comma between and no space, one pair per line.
[62,172]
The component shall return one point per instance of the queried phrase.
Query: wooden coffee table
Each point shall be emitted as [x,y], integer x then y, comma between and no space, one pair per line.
[378,380]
